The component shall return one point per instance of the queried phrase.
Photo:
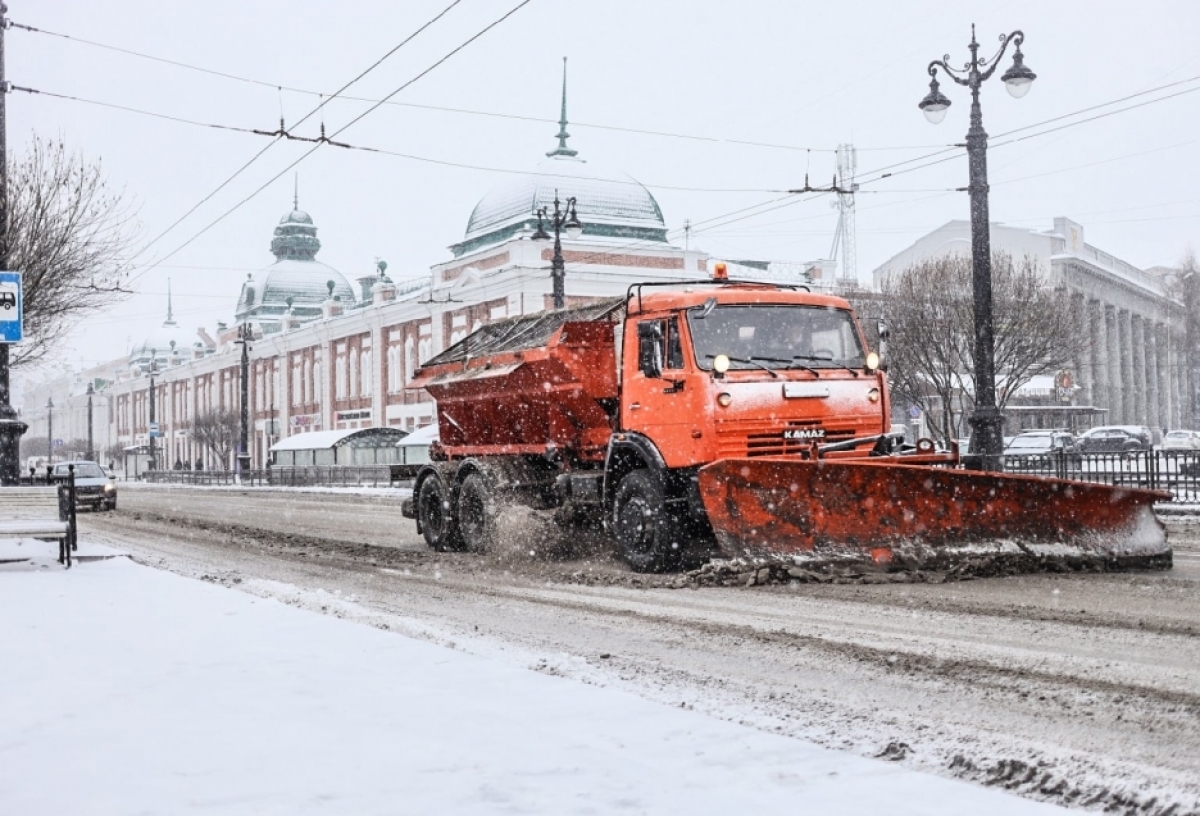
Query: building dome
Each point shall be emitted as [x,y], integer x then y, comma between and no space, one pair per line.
[164,345]
[609,204]
[296,280]
[296,217]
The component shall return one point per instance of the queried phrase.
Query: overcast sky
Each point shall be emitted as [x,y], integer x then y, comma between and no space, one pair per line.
[797,78]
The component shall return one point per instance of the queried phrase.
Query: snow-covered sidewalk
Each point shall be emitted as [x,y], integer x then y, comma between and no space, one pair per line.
[124,689]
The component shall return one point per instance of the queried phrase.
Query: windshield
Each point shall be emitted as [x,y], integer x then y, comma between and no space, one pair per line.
[83,470]
[778,336]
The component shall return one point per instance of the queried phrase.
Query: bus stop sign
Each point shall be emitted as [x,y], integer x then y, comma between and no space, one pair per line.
[12,305]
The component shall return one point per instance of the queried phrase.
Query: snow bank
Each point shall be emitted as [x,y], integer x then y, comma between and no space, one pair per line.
[129,690]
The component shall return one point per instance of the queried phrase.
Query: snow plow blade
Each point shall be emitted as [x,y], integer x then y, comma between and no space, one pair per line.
[880,515]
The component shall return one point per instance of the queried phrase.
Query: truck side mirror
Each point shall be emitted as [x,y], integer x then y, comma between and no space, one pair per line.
[650,348]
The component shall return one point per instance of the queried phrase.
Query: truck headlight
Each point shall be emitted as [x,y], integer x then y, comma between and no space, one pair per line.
[110,488]
[721,363]
[724,399]
[873,395]
[872,361]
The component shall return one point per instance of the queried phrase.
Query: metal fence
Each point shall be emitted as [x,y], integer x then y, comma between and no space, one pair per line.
[339,476]
[1176,471]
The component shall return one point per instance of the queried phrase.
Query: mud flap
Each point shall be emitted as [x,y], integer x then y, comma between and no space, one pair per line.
[893,516]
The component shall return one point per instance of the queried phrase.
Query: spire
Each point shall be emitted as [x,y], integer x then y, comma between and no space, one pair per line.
[170,321]
[562,149]
[296,194]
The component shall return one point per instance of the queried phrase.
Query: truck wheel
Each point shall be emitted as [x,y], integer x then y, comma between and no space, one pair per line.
[437,519]
[476,514]
[642,525]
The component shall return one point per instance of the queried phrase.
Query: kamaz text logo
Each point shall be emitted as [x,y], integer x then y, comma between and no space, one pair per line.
[804,433]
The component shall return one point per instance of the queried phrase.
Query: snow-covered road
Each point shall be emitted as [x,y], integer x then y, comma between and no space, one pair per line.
[1076,689]
[131,690]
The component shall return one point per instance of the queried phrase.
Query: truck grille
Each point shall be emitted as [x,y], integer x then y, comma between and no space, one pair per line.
[766,438]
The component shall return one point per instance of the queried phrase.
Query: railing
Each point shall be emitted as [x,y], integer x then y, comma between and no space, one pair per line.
[343,476]
[207,477]
[1176,471]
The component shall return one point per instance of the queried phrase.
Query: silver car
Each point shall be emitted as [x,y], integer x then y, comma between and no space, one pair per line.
[1181,440]
[93,487]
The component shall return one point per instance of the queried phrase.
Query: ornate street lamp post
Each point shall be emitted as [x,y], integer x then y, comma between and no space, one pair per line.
[91,449]
[49,431]
[987,441]
[245,335]
[559,221]
[152,429]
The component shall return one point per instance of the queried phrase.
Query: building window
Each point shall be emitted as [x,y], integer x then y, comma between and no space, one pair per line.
[393,366]
[368,375]
[340,377]
[353,389]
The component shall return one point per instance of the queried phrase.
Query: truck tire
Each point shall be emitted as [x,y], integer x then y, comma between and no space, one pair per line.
[642,525]
[476,514]
[436,515]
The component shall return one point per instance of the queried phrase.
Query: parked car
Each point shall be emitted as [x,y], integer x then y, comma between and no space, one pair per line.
[1112,440]
[1139,432]
[1040,443]
[1181,440]
[93,487]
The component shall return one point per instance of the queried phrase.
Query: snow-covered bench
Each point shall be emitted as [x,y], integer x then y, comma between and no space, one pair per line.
[39,512]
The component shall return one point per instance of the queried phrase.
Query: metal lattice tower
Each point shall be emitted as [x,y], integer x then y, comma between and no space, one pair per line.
[845,237]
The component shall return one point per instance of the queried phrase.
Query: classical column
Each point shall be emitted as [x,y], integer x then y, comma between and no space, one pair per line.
[1137,351]
[1162,349]
[1099,342]
[1085,368]
[1111,328]
[1153,402]
[1125,352]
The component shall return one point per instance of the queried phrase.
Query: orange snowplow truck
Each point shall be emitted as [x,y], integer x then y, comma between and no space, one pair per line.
[746,416]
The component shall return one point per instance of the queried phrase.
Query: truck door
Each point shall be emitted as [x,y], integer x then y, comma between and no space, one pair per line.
[660,390]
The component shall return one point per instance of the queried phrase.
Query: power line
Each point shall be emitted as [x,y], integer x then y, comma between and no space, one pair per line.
[447,109]
[317,146]
[368,149]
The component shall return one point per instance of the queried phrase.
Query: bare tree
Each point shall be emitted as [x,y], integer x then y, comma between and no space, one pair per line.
[217,431]
[69,233]
[929,311]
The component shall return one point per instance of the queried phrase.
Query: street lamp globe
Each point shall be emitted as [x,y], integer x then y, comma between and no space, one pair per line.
[573,227]
[1018,79]
[935,104]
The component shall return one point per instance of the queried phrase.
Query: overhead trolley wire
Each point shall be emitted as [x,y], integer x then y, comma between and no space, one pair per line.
[317,146]
[286,133]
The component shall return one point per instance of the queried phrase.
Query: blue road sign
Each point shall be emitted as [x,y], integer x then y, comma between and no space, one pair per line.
[12,306]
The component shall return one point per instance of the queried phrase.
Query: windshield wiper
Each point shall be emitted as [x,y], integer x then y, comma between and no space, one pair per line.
[754,362]
[829,360]
[791,363]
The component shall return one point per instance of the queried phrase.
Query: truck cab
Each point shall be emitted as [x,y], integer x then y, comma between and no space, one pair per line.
[728,371]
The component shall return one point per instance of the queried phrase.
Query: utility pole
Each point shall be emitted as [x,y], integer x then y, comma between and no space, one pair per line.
[49,431]
[11,428]
[243,458]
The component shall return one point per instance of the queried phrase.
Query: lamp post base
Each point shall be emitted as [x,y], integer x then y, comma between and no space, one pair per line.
[11,431]
[987,440]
